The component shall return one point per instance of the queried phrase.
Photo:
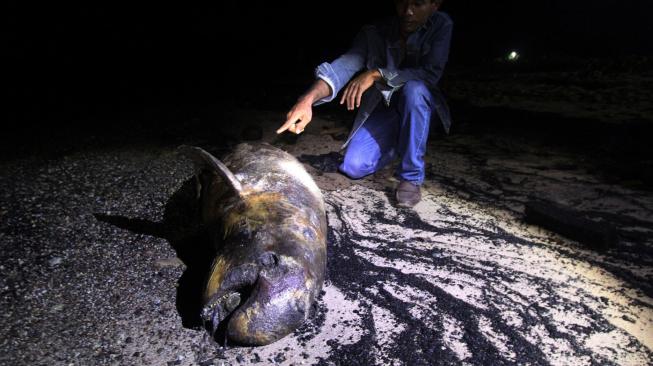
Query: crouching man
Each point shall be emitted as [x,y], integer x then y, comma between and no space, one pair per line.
[397,95]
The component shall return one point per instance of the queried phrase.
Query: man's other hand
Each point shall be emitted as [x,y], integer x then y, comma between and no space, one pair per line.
[356,87]
[298,117]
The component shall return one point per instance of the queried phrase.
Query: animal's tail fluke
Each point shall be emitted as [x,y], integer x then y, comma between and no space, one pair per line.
[204,160]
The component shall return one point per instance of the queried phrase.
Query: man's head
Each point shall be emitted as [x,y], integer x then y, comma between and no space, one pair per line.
[414,13]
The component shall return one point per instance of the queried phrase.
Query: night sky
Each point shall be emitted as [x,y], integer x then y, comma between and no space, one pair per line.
[65,57]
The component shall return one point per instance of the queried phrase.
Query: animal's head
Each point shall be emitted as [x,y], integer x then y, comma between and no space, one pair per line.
[259,301]
[261,286]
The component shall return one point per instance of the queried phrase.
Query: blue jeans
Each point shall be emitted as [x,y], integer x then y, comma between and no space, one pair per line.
[399,130]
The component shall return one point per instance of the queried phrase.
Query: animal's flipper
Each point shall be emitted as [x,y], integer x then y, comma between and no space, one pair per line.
[205,161]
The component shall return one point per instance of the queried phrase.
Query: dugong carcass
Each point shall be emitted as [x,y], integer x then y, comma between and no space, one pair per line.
[268,215]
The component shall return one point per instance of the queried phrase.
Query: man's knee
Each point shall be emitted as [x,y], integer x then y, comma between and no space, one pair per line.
[416,93]
[356,167]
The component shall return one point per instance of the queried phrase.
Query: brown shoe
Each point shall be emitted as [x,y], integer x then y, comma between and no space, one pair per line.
[407,194]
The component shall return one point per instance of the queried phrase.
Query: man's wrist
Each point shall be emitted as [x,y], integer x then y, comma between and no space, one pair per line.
[320,89]
[306,99]
[375,74]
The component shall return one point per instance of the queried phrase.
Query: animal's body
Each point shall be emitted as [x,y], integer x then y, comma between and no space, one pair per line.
[268,215]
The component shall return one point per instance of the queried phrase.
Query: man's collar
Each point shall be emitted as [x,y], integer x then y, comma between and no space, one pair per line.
[428,23]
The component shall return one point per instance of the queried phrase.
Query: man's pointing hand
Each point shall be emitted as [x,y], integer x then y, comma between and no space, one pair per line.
[298,117]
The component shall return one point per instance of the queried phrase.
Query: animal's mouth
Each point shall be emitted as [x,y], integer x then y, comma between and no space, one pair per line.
[222,305]
[240,285]
[258,303]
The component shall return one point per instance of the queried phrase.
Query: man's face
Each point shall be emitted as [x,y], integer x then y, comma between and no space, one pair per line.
[414,13]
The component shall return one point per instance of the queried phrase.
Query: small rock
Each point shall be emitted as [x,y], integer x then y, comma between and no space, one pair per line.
[55,261]
[168,262]
[279,358]
[627,318]
[256,358]
[208,362]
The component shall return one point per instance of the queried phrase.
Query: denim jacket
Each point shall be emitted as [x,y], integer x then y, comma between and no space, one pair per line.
[378,46]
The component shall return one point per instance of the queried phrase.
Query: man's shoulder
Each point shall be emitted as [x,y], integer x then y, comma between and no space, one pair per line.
[383,26]
[442,18]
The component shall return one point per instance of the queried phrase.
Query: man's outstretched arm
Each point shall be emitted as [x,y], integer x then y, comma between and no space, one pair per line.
[302,112]
[331,78]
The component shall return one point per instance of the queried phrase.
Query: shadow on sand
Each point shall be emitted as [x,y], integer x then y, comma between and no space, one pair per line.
[192,243]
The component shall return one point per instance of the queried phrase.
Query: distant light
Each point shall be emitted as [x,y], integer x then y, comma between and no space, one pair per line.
[513,56]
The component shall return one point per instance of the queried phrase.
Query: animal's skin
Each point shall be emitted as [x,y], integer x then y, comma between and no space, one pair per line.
[268,215]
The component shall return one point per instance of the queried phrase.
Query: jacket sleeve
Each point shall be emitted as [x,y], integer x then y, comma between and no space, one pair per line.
[338,72]
[431,66]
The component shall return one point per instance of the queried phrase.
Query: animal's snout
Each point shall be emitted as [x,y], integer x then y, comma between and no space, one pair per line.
[245,286]
[259,307]
[236,289]
[279,302]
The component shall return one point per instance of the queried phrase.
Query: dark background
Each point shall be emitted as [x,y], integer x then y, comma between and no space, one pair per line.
[73,64]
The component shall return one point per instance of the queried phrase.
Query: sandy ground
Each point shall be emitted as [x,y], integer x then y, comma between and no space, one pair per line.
[100,261]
